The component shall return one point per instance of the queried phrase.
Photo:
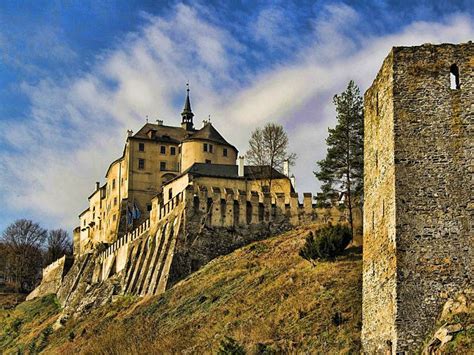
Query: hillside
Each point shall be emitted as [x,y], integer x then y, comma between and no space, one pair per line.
[264,296]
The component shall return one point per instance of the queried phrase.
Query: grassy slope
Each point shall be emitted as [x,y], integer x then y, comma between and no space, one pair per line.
[27,323]
[261,294]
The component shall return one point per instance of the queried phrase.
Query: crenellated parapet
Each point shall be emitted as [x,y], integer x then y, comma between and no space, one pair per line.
[227,207]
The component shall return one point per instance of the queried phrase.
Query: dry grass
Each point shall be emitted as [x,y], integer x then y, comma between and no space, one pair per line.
[24,325]
[263,293]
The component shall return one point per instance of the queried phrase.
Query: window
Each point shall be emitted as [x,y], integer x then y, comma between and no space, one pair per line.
[204,147]
[173,150]
[148,207]
[141,164]
[113,184]
[454,77]
[224,152]
[141,147]
[162,166]
[208,161]
[114,217]
[170,194]
[163,149]
[179,150]
[115,201]
[210,148]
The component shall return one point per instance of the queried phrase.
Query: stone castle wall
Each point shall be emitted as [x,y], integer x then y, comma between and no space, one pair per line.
[379,257]
[197,225]
[418,204]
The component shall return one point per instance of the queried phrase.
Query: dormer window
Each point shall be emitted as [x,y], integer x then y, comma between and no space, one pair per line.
[152,133]
[454,77]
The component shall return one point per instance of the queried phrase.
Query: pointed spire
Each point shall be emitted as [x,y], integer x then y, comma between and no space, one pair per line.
[187,114]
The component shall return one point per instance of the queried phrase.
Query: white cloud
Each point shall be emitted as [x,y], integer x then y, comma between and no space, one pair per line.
[77,127]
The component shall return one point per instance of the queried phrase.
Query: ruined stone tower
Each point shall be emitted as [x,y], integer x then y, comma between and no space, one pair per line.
[418,212]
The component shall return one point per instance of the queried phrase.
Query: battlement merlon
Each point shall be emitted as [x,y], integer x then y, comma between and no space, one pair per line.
[230,207]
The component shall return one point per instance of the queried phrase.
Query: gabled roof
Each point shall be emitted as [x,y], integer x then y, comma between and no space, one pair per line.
[163,133]
[231,171]
[209,133]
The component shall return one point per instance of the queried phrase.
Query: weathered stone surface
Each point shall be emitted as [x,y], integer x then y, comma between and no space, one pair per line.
[52,278]
[461,304]
[418,212]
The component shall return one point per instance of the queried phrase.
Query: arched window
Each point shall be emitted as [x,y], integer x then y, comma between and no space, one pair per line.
[454,77]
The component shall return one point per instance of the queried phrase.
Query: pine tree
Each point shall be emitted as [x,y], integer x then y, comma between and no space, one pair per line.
[342,171]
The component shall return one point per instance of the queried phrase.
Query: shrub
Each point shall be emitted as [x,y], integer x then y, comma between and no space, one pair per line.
[329,242]
[229,346]
[264,349]
[337,319]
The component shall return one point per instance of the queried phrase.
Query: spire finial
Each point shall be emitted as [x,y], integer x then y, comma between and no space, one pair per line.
[187,114]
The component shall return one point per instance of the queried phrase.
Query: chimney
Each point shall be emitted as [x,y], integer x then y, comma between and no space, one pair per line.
[97,185]
[159,122]
[293,181]
[129,132]
[241,166]
[286,167]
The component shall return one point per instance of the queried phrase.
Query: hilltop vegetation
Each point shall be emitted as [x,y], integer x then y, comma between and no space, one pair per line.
[264,296]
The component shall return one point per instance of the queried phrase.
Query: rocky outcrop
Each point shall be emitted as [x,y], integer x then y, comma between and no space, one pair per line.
[454,319]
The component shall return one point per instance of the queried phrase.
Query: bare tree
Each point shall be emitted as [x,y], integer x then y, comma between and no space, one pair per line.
[22,242]
[58,244]
[269,148]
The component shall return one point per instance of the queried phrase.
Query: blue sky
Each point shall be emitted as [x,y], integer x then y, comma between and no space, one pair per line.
[74,76]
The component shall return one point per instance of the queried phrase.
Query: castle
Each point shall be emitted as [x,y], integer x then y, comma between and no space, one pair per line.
[177,198]
[418,208]
[157,163]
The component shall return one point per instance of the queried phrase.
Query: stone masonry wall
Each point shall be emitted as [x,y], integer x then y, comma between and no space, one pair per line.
[434,149]
[379,258]
[418,213]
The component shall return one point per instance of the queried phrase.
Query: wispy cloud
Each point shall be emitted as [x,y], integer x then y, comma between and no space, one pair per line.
[76,126]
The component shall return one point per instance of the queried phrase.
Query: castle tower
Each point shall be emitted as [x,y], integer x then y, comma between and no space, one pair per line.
[419,146]
[187,114]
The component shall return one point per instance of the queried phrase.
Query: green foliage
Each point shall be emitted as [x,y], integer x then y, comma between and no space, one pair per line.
[342,171]
[229,346]
[264,349]
[337,319]
[27,318]
[329,242]
[44,337]
[16,324]
[32,348]
[71,335]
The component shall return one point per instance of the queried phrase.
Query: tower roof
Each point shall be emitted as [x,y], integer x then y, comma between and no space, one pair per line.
[209,133]
[187,111]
